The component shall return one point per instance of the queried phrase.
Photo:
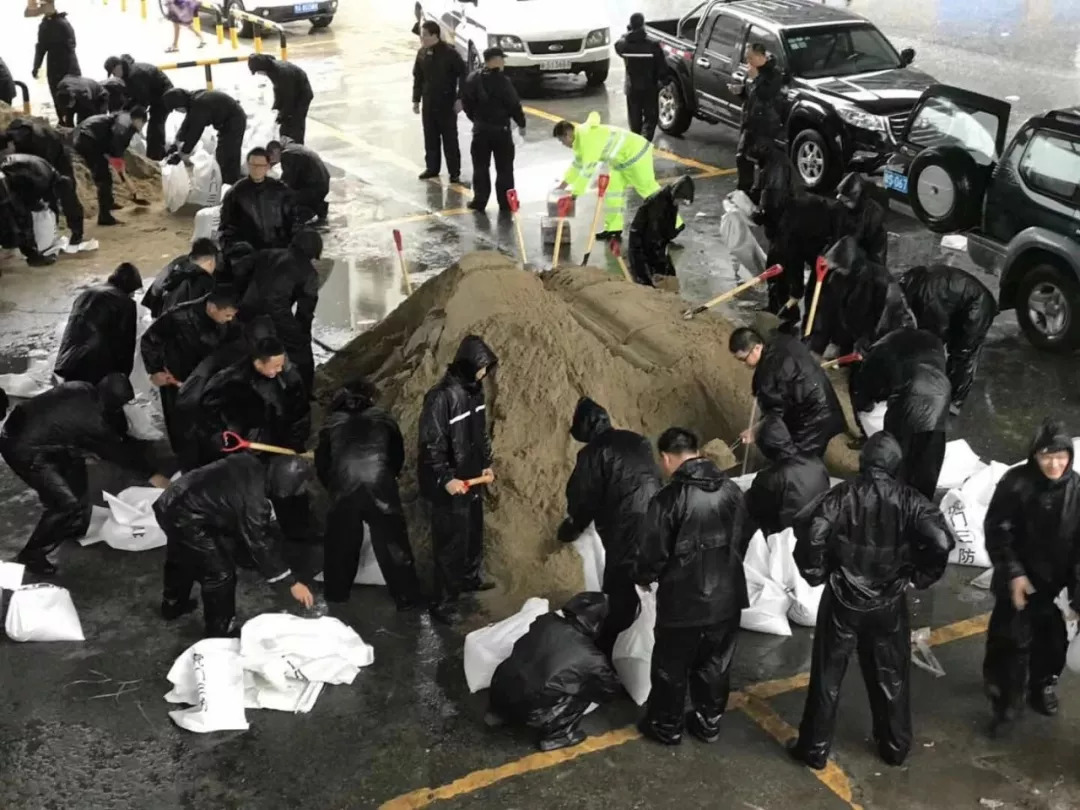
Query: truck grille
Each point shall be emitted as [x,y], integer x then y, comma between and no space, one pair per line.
[554,47]
[897,122]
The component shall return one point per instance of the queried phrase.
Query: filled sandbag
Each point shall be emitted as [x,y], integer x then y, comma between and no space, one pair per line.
[965,510]
[591,550]
[42,612]
[132,524]
[961,462]
[632,654]
[489,646]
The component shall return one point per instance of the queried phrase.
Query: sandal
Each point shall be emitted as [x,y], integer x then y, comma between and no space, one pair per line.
[202,43]
[171,49]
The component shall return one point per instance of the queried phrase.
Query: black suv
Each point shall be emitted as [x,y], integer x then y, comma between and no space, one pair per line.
[1019,203]
[847,89]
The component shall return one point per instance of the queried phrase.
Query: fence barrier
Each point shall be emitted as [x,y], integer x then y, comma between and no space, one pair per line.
[206,65]
[257,23]
[24,91]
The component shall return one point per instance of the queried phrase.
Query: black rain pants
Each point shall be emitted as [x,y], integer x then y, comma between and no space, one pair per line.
[211,567]
[61,484]
[643,111]
[457,534]
[488,143]
[440,129]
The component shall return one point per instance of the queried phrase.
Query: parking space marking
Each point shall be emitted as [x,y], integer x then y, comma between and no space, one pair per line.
[750,700]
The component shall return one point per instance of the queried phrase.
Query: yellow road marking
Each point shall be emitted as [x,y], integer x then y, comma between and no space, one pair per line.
[967,628]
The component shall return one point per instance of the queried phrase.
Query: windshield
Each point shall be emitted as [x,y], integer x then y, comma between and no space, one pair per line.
[943,122]
[817,52]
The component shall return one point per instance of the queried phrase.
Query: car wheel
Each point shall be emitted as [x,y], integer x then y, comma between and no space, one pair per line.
[674,118]
[246,29]
[322,22]
[815,161]
[1048,308]
[473,59]
[596,76]
[944,189]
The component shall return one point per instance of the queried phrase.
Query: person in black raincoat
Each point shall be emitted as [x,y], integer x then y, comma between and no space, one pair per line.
[145,86]
[33,185]
[101,141]
[554,673]
[292,93]
[956,307]
[760,112]
[46,441]
[654,228]
[1033,537]
[117,94]
[7,84]
[439,74]
[790,385]
[284,280]
[455,446]
[906,368]
[696,533]
[359,458]
[31,138]
[177,341]
[100,335]
[646,71]
[208,108]
[614,479]
[867,540]
[198,446]
[77,98]
[790,482]
[864,218]
[304,172]
[216,516]
[55,46]
[258,210]
[184,279]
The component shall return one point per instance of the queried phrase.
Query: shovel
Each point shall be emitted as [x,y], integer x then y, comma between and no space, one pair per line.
[401,260]
[843,360]
[616,249]
[820,269]
[601,189]
[772,272]
[564,209]
[231,442]
[475,482]
[515,205]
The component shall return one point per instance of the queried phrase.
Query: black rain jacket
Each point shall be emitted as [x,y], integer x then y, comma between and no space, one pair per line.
[100,334]
[454,439]
[303,170]
[82,95]
[613,481]
[31,178]
[869,537]
[951,303]
[696,533]
[791,386]
[205,108]
[292,89]
[7,84]
[761,112]
[653,229]
[866,221]
[906,368]
[281,279]
[360,454]
[261,214]
[490,100]
[438,76]
[787,485]
[646,64]
[76,419]
[182,338]
[111,133]
[181,281]
[31,138]
[199,441]
[1032,525]
[225,507]
[56,41]
[145,84]
[556,659]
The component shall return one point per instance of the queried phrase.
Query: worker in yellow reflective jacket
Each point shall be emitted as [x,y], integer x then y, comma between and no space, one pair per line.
[628,158]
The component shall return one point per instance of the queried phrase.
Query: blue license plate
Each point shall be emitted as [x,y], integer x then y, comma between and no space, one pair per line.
[304,8]
[896,182]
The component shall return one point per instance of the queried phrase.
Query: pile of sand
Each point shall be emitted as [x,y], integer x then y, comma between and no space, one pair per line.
[557,336]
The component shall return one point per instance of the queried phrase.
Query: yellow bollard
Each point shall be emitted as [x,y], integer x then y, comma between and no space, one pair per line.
[220,33]
[123,5]
[258,44]
[209,77]
[197,24]
[234,37]
[142,9]
[283,54]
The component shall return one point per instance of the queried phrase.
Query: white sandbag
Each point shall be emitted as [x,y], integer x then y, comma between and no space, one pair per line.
[207,222]
[205,180]
[280,647]
[141,424]
[961,462]
[368,572]
[805,599]
[873,421]
[632,653]
[11,575]
[591,550]
[769,604]
[209,674]
[44,230]
[132,525]
[297,697]
[261,129]
[37,379]
[42,613]
[98,516]
[965,510]
[175,185]
[738,237]
[489,646]
[1072,659]
[138,144]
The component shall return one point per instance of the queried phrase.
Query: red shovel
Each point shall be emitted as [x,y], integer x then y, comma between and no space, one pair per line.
[401,259]
[820,269]
[843,360]
[601,189]
[231,442]
[475,482]
[772,272]
[616,249]
[515,205]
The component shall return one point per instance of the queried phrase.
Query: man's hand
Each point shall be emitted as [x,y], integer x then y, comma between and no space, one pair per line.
[791,302]
[1021,588]
[302,594]
[488,473]
[159,481]
[455,486]
[458,106]
[747,436]
[416,108]
[33,74]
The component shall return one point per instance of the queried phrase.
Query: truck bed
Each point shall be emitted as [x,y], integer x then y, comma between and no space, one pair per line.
[667,30]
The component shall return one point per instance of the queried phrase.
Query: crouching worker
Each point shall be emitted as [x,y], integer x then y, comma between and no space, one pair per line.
[359,459]
[217,515]
[100,334]
[654,228]
[866,541]
[554,672]
[46,442]
[33,184]
[695,537]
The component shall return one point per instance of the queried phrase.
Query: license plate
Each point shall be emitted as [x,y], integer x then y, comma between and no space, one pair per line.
[304,8]
[555,64]
[895,181]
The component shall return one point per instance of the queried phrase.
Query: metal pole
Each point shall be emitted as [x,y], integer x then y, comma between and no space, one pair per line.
[142,9]
[283,46]
[209,77]
[220,32]
[258,42]
[234,36]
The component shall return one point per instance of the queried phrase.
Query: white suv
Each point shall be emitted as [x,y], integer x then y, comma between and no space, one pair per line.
[538,36]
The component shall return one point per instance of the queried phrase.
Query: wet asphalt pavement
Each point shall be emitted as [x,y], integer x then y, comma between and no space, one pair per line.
[408,721]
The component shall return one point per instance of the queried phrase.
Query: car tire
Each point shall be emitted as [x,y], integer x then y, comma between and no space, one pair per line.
[945,189]
[321,22]
[816,163]
[246,29]
[594,77]
[674,117]
[472,59]
[1048,307]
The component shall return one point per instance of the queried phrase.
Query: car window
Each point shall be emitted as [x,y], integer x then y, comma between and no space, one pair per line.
[1051,164]
[768,39]
[944,122]
[724,35]
[845,51]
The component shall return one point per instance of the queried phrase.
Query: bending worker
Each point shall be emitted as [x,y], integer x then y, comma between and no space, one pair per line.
[100,335]
[33,183]
[629,161]
[208,108]
[292,93]
[145,86]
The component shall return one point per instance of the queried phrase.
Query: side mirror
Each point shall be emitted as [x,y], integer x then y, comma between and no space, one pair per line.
[907,56]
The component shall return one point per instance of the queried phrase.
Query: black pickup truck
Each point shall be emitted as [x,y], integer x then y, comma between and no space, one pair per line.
[847,92]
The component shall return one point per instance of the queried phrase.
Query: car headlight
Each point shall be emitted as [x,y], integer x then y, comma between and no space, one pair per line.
[506,42]
[861,119]
[597,38]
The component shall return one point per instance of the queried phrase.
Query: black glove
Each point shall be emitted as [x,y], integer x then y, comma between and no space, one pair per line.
[174,158]
[33,74]
[568,532]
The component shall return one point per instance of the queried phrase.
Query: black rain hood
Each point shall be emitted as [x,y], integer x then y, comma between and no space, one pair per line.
[700,472]
[115,391]
[590,420]
[881,454]
[261,63]
[587,610]
[845,257]
[1051,437]
[126,278]
[309,243]
[851,190]
[683,189]
[775,442]
[472,355]
[4,403]
[176,98]
[354,397]
[124,62]
[286,476]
